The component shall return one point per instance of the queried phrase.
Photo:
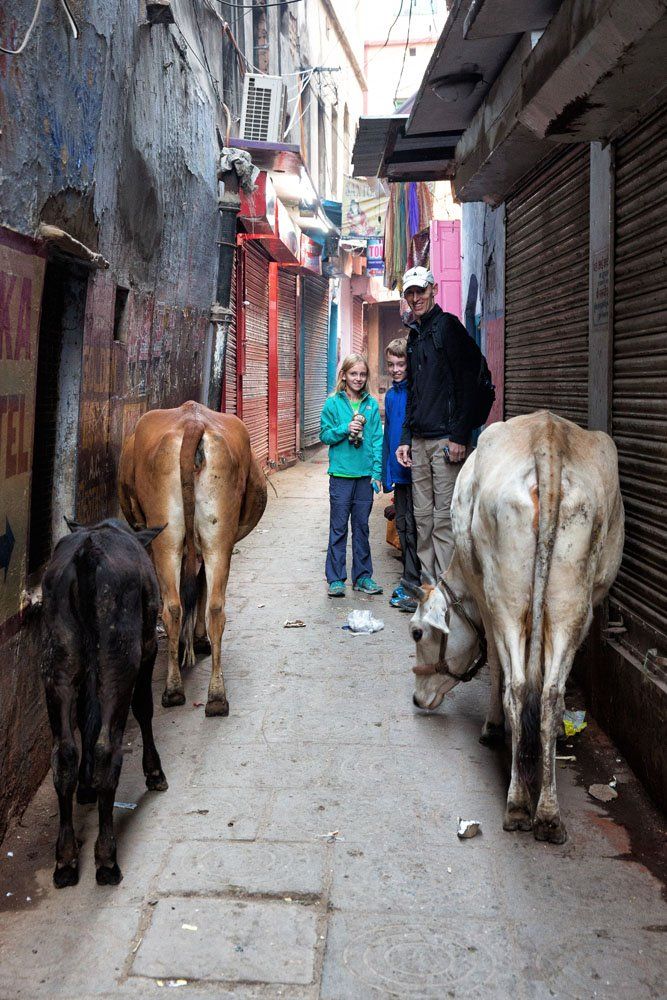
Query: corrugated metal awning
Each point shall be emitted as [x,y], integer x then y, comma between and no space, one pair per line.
[381,149]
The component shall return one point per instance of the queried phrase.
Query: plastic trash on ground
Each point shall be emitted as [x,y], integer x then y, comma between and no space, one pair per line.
[468,828]
[574,722]
[363,621]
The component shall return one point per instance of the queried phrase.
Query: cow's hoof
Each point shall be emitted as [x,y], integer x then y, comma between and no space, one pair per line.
[170,699]
[202,646]
[493,735]
[108,876]
[85,795]
[67,875]
[156,782]
[551,831]
[517,819]
[217,706]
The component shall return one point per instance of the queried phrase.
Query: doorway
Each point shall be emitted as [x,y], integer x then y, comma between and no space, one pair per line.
[57,397]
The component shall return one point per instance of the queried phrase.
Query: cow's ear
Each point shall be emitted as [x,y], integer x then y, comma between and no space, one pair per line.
[436,615]
[73,525]
[146,535]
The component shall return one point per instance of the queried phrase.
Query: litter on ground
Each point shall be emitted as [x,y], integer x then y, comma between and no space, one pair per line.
[574,722]
[363,622]
[604,793]
[468,828]
[297,623]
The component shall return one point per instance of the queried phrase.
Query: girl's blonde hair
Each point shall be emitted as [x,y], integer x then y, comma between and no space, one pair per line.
[348,361]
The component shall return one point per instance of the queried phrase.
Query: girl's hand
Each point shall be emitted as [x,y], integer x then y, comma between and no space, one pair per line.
[355,425]
[376,484]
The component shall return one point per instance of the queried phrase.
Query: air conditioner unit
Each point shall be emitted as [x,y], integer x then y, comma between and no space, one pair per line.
[264,105]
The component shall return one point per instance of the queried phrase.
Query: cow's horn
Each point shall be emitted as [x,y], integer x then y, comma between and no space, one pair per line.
[413,590]
[427,578]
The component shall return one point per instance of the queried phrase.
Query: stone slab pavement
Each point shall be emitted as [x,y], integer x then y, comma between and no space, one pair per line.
[306,847]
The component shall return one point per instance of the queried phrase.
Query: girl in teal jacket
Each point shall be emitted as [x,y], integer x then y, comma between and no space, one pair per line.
[350,424]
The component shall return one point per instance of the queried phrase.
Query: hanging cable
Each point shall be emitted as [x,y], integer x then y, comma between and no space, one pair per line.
[254,6]
[405,52]
[16,52]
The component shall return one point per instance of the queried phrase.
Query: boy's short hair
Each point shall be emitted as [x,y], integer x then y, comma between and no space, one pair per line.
[398,347]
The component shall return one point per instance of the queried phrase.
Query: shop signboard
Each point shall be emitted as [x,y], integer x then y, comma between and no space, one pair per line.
[364,208]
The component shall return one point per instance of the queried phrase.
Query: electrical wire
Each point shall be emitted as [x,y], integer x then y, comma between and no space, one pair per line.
[16,52]
[254,6]
[405,52]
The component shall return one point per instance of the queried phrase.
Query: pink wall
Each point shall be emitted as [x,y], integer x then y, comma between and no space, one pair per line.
[446,264]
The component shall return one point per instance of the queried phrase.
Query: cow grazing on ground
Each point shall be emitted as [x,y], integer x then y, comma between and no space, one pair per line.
[99,611]
[193,470]
[538,527]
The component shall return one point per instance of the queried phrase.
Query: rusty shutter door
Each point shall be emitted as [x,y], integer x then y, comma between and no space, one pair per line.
[286,365]
[358,325]
[230,351]
[639,393]
[546,289]
[256,372]
[316,345]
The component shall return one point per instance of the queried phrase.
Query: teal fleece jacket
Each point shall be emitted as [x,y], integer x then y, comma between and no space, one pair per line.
[344,458]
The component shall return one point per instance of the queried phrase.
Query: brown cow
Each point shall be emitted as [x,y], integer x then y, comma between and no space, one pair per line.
[192,470]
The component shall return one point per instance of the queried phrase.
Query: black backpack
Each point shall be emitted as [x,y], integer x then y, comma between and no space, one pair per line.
[485,390]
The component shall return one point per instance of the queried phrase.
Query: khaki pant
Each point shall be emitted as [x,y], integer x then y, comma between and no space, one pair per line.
[433,482]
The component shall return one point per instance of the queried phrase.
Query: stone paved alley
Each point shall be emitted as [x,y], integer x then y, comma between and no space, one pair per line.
[230,880]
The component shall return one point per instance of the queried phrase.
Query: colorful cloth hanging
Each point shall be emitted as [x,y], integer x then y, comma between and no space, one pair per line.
[409,213]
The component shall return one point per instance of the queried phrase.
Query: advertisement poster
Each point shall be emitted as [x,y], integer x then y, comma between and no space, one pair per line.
[21,279]
[364,208]
[375,257]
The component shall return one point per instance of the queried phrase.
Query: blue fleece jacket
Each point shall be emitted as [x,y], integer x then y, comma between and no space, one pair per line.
[395,403]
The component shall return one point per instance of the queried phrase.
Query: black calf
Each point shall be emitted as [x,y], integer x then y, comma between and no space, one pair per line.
[100,607]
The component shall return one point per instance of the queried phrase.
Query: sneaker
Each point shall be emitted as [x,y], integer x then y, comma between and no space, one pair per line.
[409,605]
[367,585]
[399,595]
[337,588]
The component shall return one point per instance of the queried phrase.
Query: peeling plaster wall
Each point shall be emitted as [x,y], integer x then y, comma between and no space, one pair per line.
[113,138]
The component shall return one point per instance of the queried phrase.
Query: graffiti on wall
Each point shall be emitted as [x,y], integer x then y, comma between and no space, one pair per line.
[21,280]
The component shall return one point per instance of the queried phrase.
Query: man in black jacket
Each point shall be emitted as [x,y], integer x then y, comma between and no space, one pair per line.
[438,420]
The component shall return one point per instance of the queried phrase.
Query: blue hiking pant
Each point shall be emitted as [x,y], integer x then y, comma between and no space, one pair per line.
[350,500]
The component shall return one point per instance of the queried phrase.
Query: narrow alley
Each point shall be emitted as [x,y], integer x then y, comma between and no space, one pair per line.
[306,847]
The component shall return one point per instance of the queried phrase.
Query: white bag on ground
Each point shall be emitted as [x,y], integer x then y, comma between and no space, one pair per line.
[363,621]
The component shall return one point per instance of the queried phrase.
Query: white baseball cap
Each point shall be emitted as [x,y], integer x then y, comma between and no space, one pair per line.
[417,277]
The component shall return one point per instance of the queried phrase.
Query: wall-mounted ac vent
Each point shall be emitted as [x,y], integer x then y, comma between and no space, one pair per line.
[263,115]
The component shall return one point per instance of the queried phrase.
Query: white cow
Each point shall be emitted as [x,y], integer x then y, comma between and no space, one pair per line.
[538,526]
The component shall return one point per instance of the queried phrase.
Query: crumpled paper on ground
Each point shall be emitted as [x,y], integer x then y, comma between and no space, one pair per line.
[363,621]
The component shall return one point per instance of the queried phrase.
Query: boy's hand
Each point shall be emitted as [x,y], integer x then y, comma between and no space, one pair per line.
[403,456]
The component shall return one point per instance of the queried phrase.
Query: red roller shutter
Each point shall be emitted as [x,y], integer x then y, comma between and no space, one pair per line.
[255,382]
[286,365]
[358,339]
[230,352]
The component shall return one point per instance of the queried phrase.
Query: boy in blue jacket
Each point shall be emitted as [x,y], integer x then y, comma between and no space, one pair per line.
[396,477]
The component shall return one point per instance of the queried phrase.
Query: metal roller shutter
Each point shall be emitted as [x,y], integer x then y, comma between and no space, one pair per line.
[286,365]
[316,343]
[639,393]
[358,340]
[230,352]
[256,353]
[546,289]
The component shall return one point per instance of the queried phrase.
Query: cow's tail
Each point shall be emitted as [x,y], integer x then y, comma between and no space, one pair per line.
[191,458]
[548,468]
